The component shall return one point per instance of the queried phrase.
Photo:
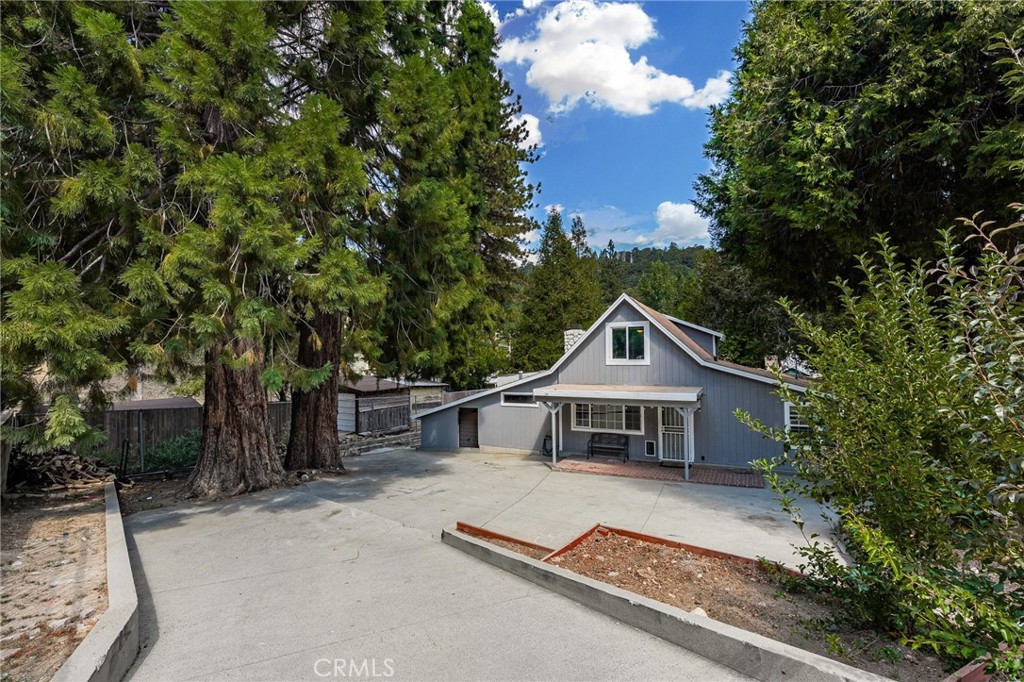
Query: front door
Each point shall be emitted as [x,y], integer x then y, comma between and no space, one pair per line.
[674,439]
[469,436]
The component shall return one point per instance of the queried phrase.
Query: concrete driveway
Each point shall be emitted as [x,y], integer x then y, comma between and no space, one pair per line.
[346,578]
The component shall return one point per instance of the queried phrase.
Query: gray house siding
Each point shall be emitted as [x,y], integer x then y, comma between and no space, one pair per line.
[513,427]
[440,430]
[705,340]
[719,437]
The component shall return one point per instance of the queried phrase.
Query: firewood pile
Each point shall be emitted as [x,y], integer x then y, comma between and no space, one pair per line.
[54,470]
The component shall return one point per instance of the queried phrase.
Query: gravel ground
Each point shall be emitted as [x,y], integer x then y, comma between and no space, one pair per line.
[745,596]
[53,576]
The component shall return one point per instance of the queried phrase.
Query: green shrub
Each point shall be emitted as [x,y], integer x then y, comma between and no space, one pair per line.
[176,453]
[916,443]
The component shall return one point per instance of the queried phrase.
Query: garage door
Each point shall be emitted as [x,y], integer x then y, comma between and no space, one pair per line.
[469,436]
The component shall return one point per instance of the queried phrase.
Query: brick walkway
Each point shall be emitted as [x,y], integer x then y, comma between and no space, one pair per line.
[655,472]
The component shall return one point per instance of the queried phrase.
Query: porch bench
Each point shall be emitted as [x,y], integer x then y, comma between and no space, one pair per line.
[608,444]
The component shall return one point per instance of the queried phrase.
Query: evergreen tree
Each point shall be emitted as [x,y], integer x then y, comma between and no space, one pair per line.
[74,173]
[610,274]
[489,157]
[660,288]
[562,292]
[337,51]
[725,296]
[852,119]
[586,304]
[215,259]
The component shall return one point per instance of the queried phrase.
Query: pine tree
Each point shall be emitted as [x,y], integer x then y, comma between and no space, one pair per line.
[74,172]
[216,256]
[660,288]
[586,304]
[610,275]
[338,52]
[489,157]
[562,292]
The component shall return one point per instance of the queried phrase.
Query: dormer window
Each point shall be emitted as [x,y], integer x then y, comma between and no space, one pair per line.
[628,343]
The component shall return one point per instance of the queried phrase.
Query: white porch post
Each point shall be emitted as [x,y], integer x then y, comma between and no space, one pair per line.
[554,408]
[689,441]
[561,437]
[687,413]
[554,437]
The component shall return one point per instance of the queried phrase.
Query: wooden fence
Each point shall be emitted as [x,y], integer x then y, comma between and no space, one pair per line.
[386,413]
[145,429]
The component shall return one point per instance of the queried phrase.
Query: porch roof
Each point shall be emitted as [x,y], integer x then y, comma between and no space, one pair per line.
[619,393]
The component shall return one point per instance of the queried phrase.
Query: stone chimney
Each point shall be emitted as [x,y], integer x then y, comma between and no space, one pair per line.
[571,336]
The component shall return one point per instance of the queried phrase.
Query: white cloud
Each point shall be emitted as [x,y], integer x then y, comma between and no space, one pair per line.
[533,135]
[715,91]
[557,208]
[491,11]
[530,4]
[679,223]
[581,51]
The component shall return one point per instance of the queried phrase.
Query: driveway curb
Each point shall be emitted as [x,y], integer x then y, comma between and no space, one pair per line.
[745,652]
[110,648]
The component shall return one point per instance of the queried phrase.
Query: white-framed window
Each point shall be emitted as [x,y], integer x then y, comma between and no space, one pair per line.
[513,399]
[794,421]
[628,343]
[608,418]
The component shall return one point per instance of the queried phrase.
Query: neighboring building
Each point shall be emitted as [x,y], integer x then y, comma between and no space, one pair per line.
[425,394]
[636,372]
[372,405]
[504,379]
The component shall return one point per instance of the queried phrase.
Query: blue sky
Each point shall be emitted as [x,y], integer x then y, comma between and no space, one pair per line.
[618,93]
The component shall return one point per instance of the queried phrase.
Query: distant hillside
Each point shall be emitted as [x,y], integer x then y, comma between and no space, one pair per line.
[635,262]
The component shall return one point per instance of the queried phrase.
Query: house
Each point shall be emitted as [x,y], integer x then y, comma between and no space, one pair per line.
[636,372]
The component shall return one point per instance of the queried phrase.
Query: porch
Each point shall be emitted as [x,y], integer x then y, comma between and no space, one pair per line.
[659,421]
[699,473]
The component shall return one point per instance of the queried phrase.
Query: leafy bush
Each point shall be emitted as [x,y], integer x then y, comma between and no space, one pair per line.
[917,444]
[176,453]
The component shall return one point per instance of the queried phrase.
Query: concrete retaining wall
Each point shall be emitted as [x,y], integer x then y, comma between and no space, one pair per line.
[110,648]
[745,652]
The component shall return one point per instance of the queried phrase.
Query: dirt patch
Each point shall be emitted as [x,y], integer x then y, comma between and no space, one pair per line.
[53,569]
[747,597]
[151,494]
[516,547]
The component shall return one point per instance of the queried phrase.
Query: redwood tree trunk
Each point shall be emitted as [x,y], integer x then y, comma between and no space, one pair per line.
[313,440]
[236,453]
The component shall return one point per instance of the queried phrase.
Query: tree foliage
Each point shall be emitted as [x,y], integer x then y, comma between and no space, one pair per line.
[244,195]
[562,292]
[74,177]
[850,119]
[916,443]
[723,295]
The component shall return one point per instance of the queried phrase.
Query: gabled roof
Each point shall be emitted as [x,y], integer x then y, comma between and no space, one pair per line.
[667,327]
[705,358]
